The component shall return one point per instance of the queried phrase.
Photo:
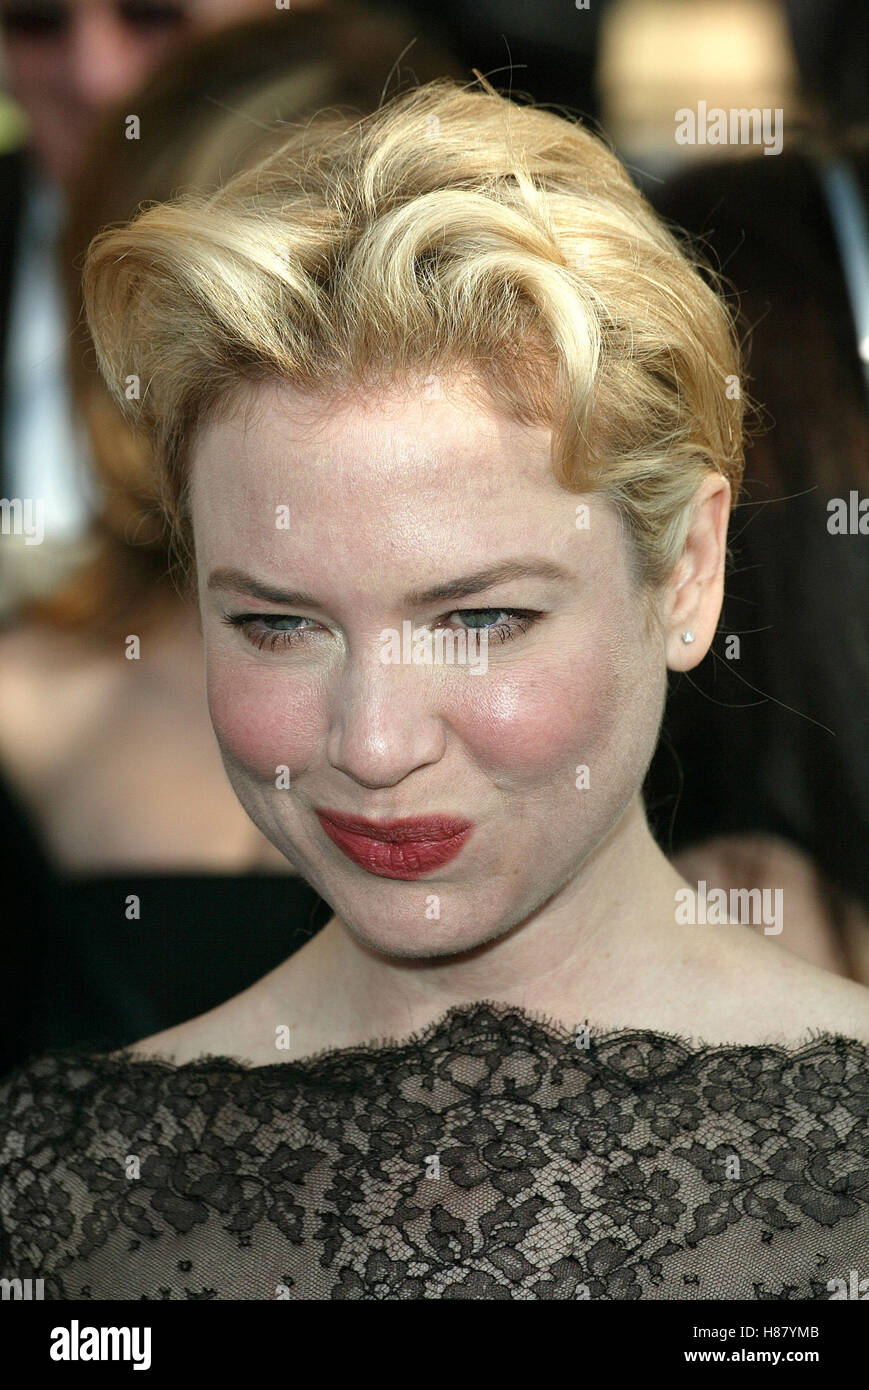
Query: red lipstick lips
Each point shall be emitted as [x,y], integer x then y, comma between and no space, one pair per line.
[403,848]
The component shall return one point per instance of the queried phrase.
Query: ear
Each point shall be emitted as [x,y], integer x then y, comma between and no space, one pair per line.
[693,594]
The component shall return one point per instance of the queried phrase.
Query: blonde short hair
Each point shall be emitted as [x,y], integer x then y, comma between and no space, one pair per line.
[452,229]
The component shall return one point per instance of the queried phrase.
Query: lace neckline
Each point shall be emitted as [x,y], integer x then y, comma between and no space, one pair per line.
[493,1022]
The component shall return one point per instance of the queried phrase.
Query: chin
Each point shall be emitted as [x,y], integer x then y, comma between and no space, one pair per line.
[389,916]
[404,937]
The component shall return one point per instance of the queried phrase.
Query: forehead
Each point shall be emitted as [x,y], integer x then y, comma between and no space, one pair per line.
[369,450]
[412,472]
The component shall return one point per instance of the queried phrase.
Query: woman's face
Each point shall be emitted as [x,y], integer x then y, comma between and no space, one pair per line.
[354,511]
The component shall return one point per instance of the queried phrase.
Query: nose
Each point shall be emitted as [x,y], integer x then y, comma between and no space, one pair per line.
[106,60]
[384,721]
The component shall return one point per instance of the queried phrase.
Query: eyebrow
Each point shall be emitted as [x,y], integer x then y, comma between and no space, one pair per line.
[530,567]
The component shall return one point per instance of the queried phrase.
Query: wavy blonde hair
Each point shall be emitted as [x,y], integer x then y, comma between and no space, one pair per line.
[452,229]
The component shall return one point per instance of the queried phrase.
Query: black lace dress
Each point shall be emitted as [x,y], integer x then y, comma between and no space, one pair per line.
[490,1156]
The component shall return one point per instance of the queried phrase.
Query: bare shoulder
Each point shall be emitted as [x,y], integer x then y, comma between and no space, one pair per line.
[279,1018]
[782,997]
[242,1027]
[212,1034]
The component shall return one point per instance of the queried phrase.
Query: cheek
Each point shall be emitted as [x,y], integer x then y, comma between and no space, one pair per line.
[531,722]
[260,723]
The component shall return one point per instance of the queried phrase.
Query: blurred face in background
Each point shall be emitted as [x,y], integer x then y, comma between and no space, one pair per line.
[66,60]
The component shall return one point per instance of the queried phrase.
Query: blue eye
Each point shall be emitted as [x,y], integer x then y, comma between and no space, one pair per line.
[259,632]
[277,631]
[518,621]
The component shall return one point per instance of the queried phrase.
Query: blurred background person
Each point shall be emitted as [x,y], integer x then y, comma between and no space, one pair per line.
[120,828]
[766,782]
[64,62]
[762,779]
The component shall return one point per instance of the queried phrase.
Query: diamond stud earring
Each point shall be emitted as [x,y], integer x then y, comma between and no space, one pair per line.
[687,637]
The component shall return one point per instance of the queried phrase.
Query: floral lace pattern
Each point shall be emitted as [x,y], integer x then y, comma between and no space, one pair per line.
[490,1156]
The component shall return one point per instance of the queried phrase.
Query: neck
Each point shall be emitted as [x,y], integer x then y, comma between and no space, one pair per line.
[598,948]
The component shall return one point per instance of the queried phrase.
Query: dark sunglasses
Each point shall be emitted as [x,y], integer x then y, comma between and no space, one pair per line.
[50,19]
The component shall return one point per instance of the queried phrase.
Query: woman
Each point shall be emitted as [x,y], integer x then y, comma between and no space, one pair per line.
[147,813]
[438,374]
